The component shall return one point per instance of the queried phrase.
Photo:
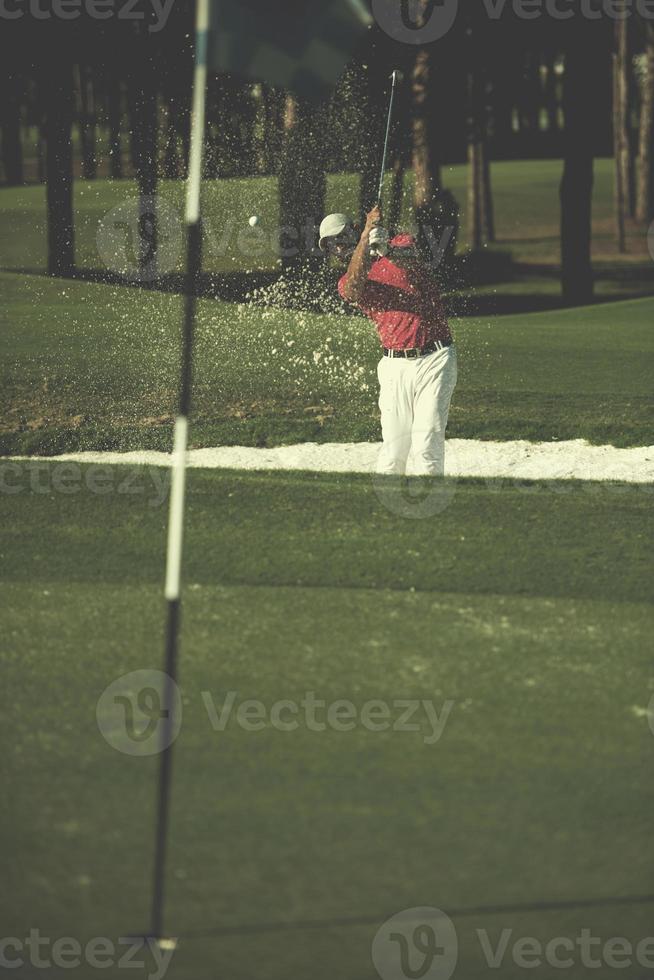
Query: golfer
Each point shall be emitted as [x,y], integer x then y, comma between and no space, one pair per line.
[393,286]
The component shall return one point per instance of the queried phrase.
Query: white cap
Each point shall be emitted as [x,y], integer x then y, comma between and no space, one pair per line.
[333,225]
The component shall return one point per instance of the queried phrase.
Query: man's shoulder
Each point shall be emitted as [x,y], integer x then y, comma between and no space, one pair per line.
[380,269]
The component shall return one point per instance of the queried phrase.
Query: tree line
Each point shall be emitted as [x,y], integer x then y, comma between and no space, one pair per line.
[490,89]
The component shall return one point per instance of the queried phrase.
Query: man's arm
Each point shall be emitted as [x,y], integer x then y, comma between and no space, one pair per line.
[361,261]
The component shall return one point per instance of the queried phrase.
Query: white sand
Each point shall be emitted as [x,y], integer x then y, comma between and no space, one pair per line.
[574,459]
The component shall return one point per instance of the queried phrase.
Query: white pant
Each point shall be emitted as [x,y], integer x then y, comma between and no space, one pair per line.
[414,400]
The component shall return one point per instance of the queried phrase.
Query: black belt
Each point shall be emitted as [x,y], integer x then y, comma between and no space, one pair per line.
[418,351]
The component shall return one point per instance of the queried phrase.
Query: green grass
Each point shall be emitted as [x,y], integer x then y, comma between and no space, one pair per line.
[526,206]
[88,366]
[528,610]
[264,534]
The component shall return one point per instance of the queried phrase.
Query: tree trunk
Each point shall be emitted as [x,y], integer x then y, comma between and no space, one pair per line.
[248,114]
[645,201]
[143,99]
[487,193]
[504,82]
[426,167]
[12,149]
[618,179]
[41,151]
[302,185]
[271,144]
[475,155]
[114,113]
[475,216]
[394,215]
[168,139]
[632,134]
[530,96]
[448,84]
[551,100]
[86,120]
[621,113]
[369,185]
[57,94]
[584,66]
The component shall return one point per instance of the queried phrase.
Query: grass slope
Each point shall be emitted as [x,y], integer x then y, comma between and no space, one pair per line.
[89,366]
[527,609]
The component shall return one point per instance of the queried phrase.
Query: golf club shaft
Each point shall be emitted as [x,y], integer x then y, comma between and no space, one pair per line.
[388,133]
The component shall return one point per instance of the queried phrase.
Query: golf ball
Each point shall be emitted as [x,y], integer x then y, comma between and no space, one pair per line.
[254,221]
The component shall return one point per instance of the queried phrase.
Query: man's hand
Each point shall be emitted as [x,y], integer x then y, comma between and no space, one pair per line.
[373,218]
[377,235]
[378,241]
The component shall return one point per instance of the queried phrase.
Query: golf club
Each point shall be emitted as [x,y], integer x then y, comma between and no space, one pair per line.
[396,76]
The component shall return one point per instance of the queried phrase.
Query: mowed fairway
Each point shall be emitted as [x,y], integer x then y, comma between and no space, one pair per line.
[523,608]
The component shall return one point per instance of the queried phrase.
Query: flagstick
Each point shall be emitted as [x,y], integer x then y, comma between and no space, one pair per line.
[178,462]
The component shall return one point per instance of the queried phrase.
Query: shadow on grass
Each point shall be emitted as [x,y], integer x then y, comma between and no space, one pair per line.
[454,913]
[315,289]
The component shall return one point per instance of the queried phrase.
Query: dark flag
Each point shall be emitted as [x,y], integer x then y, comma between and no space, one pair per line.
[295,44]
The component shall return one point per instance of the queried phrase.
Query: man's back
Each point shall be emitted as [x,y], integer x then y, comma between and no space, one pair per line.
[403,301]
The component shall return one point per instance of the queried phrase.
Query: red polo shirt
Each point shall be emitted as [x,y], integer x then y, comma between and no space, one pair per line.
[405,304]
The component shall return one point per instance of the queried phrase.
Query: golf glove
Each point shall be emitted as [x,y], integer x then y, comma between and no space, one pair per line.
[378,241]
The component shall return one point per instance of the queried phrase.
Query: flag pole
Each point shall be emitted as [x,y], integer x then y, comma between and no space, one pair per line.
[172,589]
